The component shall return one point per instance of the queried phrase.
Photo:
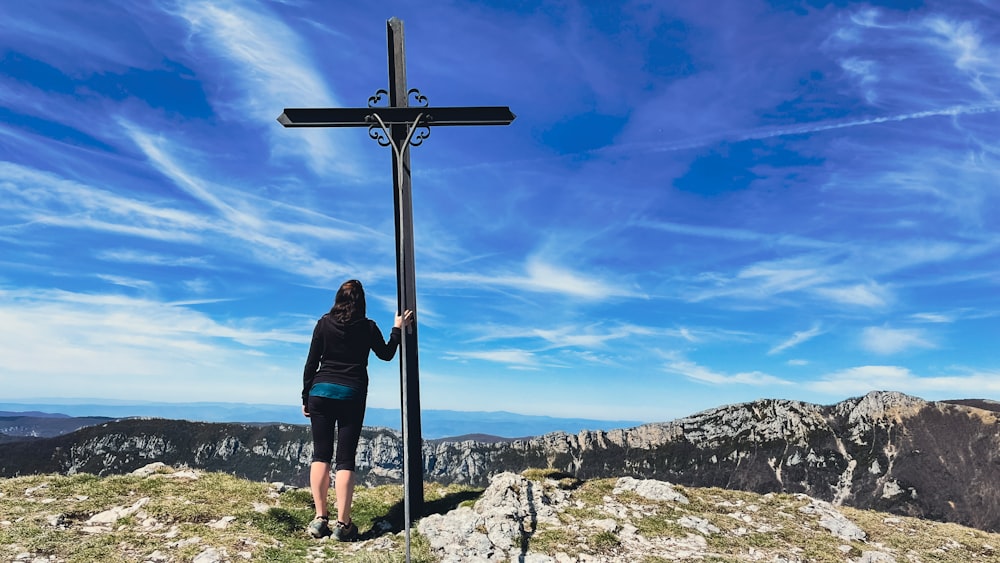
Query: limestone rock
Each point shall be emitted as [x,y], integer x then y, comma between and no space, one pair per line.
[112,515]
[833,520]
[650,489]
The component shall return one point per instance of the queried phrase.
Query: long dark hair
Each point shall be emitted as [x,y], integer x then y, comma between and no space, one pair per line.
[349,304]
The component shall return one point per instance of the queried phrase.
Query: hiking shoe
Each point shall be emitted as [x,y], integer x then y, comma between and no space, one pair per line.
[345,532]
[319,527]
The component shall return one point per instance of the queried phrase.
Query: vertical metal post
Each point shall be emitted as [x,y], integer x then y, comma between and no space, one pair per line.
[413,469]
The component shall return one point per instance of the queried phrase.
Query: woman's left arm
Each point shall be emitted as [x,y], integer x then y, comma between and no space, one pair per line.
[385,350]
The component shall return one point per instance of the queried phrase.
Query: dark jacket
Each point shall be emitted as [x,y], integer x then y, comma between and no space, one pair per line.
[338,353]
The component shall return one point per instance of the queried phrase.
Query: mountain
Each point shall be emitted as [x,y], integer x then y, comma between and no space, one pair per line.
[42,425]
[435,424]
[885,451]
[4,438]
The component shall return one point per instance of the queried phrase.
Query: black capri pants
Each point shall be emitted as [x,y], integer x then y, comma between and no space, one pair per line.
[347,416]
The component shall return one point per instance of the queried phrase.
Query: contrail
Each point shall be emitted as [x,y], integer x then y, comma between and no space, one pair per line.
[812,128]
[698,142]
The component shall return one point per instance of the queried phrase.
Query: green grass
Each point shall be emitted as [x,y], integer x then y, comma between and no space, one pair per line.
[659,526]
[604,541]
[267,526]
[553,540]
[45,515]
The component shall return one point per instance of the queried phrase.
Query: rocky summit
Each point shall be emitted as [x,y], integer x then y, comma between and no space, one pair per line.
[160,514]
[886,451]
[537,519]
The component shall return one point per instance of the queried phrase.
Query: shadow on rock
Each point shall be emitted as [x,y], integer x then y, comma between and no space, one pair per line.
[392,522]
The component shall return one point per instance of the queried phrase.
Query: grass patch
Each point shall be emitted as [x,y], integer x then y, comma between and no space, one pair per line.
[280,522]
[443,499]
[563,480]
[592,493]
[554,540]
[604,541]
[660,526]
[371,505]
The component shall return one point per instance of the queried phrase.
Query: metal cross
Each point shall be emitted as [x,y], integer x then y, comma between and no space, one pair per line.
[400,126]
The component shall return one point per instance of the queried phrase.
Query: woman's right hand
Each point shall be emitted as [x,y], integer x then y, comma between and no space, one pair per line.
[405,320]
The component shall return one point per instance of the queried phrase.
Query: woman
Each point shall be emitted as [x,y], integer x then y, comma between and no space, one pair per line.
[334,390]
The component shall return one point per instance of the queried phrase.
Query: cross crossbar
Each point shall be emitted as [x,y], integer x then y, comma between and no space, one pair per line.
[364,117]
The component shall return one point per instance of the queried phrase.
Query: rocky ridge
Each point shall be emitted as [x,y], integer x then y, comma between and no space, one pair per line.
[639,519]
[885,450]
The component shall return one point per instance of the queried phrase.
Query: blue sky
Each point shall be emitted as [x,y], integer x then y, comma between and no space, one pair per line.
[698,203]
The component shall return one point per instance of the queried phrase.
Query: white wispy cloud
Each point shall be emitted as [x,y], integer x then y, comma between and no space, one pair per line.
[970,53]
[135,283]
[521,359]
[134,256]
[862,379]
[797,338]
[247,229]
[865,71]
[153,147]
[549,277]
[868,17]
[782,277]
[589,339]
[729,233]
[868,294]
[541,276]
[702,374]
[112,345]
[272,70]
[849,276]
[885,340]
[593,336]
[933,317]
[41,197]
[67,38]
[764,280]
[930,41]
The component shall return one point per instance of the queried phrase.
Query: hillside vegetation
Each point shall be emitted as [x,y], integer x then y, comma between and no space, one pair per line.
[161,514]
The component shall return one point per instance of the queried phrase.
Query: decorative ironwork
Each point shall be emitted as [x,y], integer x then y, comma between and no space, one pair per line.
[376,132]
[419,99]
[423,131]
[374,100]
[417,131]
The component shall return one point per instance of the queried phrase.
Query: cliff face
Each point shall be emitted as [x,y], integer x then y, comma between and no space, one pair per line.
[886,451]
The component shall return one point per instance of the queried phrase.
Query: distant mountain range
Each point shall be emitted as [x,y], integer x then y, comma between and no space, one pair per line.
[35,424]
[435,424]
[885,451]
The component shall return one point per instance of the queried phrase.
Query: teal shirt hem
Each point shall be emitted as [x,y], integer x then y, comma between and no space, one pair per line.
[334,391]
